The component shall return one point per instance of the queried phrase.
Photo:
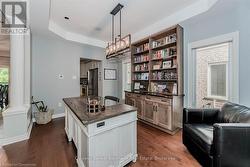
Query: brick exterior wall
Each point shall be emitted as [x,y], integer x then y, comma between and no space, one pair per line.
[204,57]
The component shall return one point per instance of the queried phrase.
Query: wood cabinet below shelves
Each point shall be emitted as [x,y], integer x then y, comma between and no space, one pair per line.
[161,112]
[149,108]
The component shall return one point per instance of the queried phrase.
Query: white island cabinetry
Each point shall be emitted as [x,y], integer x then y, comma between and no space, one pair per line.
[109,142]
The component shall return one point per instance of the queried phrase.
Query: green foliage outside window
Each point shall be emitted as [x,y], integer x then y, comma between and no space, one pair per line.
[4,75]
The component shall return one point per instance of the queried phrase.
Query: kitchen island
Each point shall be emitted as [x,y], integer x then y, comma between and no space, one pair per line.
[104,139]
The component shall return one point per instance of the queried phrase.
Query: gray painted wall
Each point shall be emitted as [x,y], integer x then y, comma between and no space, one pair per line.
[225,17]
[52,56]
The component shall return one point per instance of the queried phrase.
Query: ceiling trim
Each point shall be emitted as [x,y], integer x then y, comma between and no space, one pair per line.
[197,8]
[74,36]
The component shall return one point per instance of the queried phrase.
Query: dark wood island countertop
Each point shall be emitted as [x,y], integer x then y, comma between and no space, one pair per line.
[79,108]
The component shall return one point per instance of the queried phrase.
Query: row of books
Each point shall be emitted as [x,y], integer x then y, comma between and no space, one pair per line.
[141,67]
[164,64]
[166,40]
[142,48]
[141,58]
[141,76]
[164,75]
[164,53]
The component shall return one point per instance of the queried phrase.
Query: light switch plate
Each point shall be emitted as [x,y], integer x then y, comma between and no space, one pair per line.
[74,77]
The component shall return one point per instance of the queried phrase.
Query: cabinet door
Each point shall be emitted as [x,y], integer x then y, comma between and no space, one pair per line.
[164,117]
[139,106]
[149,111]
[129,101]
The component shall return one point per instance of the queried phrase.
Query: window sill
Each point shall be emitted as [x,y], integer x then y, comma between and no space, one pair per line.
[215,98]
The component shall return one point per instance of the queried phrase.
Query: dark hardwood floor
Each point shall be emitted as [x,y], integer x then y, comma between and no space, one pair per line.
[48,147]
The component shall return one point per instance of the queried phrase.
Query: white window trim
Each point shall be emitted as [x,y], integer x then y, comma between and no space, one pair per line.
[233,65]
[209,82]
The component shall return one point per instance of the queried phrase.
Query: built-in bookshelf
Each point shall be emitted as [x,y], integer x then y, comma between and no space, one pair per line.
[157,62]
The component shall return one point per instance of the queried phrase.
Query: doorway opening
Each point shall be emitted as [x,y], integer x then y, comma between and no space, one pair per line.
[213,71]
[90,77]
[212,75]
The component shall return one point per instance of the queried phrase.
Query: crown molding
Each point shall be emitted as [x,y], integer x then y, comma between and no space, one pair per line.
[190,11]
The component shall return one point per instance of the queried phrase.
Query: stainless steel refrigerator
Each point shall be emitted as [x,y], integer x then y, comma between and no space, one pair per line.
[93,82]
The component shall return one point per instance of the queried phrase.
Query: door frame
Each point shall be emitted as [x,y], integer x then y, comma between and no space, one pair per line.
[233,65]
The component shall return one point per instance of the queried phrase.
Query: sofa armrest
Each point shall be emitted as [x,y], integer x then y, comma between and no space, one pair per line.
[231,144]
[208,116]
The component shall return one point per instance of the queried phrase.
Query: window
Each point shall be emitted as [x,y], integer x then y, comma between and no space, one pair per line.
[217,81]
[4,75]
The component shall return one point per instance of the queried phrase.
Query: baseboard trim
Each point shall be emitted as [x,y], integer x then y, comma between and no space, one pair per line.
[10,140]
[54,116]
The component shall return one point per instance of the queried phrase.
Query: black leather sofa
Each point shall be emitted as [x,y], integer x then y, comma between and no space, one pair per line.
[218,138]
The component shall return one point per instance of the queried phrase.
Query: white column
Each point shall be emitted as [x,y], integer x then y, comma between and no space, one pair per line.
[16,88]
[27,70]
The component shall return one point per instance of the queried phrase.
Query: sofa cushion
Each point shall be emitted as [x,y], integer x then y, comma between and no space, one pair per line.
[234,113]
[201,134]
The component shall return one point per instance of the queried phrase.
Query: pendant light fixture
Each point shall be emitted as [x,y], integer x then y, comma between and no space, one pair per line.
[118,45]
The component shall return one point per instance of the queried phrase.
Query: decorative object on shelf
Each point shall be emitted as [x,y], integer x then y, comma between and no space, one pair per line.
[110,74]
[157,67]
[166,64]
[174,90]
[137,86]
[171,38]
[119,45]
[174,65]
[43,114]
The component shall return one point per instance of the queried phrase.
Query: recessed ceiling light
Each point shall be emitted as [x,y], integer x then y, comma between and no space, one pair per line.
[66,18]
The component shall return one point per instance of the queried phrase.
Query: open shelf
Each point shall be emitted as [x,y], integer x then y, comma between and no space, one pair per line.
[141,62]
[136,80]
[163,59]
[162,69]
[142,52]
[168,45]
[143,71]
[163,80]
